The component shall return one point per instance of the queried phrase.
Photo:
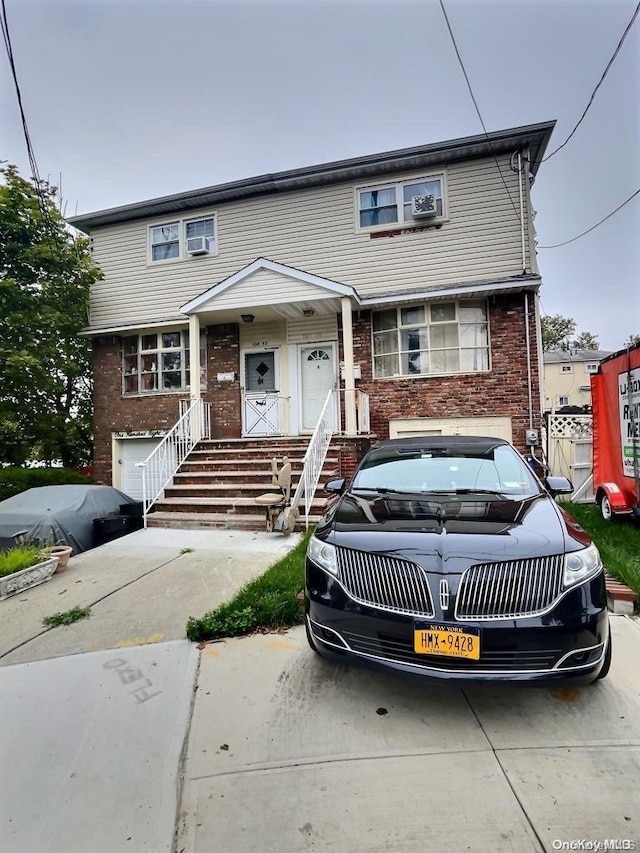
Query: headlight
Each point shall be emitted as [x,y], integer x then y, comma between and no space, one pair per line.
[580,565]
[323,554]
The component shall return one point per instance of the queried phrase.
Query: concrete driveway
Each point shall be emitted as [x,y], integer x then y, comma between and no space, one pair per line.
[116,730]
[289,752]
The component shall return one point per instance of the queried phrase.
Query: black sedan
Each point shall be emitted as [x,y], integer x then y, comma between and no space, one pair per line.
[448,557]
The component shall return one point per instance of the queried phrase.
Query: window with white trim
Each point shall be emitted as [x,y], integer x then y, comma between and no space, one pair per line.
[563,401]
[168,240]
[157,362]
[566,368]
[592,368]
[388,204]
[431,339]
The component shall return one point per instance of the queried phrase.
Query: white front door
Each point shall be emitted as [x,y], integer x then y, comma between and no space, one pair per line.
[261,404]
[318,376]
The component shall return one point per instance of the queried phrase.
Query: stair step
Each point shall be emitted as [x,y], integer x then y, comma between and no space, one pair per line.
[232,506]
[194,521]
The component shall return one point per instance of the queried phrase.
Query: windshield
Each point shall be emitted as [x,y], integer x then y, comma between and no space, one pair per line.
[498,471]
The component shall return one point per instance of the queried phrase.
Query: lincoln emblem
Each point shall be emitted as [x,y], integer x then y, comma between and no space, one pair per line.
[444,594]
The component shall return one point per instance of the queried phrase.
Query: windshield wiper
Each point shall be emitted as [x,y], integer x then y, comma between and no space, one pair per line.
[380,490]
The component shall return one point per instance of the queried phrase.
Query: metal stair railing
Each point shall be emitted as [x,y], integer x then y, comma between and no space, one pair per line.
[164,461]
[315,456]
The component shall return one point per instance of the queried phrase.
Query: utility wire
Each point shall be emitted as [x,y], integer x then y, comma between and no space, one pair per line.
[41,198]
[600,82]
[604,219]
[475,103]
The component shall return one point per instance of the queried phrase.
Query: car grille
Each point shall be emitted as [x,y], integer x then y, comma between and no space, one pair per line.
[387,582]
[510,590]
[491,660]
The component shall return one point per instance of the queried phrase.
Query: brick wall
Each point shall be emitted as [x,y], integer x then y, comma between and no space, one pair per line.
[500,392]
[113,412]
[223,356]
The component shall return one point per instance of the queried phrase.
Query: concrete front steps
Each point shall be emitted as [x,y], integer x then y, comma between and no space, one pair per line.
[218,483]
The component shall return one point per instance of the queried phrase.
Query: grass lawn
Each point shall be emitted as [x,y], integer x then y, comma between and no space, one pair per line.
[268,602]
[618,542]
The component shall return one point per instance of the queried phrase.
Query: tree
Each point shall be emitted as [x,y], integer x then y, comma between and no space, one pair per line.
[556,330]
[631,341]
[586,340]
[45,369]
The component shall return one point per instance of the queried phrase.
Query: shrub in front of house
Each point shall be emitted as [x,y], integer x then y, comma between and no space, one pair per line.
[16,480]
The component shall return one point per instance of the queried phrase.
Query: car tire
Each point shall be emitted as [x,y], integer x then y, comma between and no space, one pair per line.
[606,664]
[310,639]
[605,508]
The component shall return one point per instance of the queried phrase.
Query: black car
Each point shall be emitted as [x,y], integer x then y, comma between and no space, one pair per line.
[449,558]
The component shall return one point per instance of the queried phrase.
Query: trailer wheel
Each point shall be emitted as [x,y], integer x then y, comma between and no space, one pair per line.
[605,508]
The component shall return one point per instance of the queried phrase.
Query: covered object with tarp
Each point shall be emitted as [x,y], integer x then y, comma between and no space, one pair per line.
[58,514]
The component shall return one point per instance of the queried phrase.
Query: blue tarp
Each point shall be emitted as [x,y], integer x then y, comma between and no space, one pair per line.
[59,514]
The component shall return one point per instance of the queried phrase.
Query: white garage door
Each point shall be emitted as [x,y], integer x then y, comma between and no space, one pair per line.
[129,451]
[407,427]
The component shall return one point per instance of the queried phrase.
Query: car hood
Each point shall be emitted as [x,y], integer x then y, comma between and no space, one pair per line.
[448,533]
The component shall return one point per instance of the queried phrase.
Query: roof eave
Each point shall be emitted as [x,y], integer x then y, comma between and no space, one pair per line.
[535,137]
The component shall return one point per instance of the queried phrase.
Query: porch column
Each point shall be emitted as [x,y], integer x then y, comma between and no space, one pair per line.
[194,357]
[349,381]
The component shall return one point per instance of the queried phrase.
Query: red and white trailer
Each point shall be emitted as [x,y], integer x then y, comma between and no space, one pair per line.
[615,397]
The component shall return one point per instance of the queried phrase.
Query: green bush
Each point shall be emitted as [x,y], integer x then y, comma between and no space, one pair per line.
[16,480]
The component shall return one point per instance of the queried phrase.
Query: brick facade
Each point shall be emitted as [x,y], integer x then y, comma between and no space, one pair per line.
[503,391]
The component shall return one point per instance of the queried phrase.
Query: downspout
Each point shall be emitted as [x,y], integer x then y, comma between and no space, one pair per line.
[524,251]
[527,339]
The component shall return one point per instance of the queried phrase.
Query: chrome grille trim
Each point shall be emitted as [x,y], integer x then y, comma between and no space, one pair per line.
[510,590]
[389,583]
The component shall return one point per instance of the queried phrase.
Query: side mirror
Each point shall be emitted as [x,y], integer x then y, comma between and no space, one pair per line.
[558,486]
[335,486]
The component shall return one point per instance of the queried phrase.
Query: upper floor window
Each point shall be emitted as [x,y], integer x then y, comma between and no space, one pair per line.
[566,368]
[183,238]
[592,368]
[158,361]
[387,204]
[433,338]
[563,401]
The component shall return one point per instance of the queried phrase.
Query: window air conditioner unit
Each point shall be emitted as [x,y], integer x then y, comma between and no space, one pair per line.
[423,206]
[197,245]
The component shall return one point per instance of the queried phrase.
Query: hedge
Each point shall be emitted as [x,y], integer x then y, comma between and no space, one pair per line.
[16,480]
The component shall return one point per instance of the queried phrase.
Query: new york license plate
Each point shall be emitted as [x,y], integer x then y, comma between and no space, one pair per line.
[447,640]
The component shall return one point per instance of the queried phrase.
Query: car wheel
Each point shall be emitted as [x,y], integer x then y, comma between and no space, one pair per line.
[310,639]
[605,508]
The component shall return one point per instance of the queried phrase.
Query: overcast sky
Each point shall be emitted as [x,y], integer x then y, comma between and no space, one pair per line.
[132,99]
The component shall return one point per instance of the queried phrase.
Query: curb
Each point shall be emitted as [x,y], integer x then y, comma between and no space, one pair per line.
[620,597]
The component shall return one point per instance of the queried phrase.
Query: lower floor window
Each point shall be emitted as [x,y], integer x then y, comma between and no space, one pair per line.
[157,361]
[432,338]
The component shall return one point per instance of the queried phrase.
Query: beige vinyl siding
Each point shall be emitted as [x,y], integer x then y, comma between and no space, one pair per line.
[313,329]
[266,287]
[315,230]
[258,335]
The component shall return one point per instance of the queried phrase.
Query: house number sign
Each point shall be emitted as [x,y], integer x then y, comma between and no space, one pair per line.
[259,343]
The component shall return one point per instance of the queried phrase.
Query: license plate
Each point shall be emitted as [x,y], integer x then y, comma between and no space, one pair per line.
[451,641]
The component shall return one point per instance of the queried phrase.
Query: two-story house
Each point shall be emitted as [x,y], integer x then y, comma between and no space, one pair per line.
[407,281]
[567,377]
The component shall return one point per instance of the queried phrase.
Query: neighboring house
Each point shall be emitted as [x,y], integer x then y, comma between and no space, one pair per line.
[407,279]
[567,377]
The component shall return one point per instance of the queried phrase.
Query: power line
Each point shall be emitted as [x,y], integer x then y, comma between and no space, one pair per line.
[600,81]
[475,103]
[604,219]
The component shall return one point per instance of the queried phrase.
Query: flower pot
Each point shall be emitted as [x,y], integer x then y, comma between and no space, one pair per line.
[62,552]
[25,579]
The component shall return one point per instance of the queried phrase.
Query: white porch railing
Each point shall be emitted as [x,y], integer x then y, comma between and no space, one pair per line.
[314,458]
[362,409]
[162,463]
